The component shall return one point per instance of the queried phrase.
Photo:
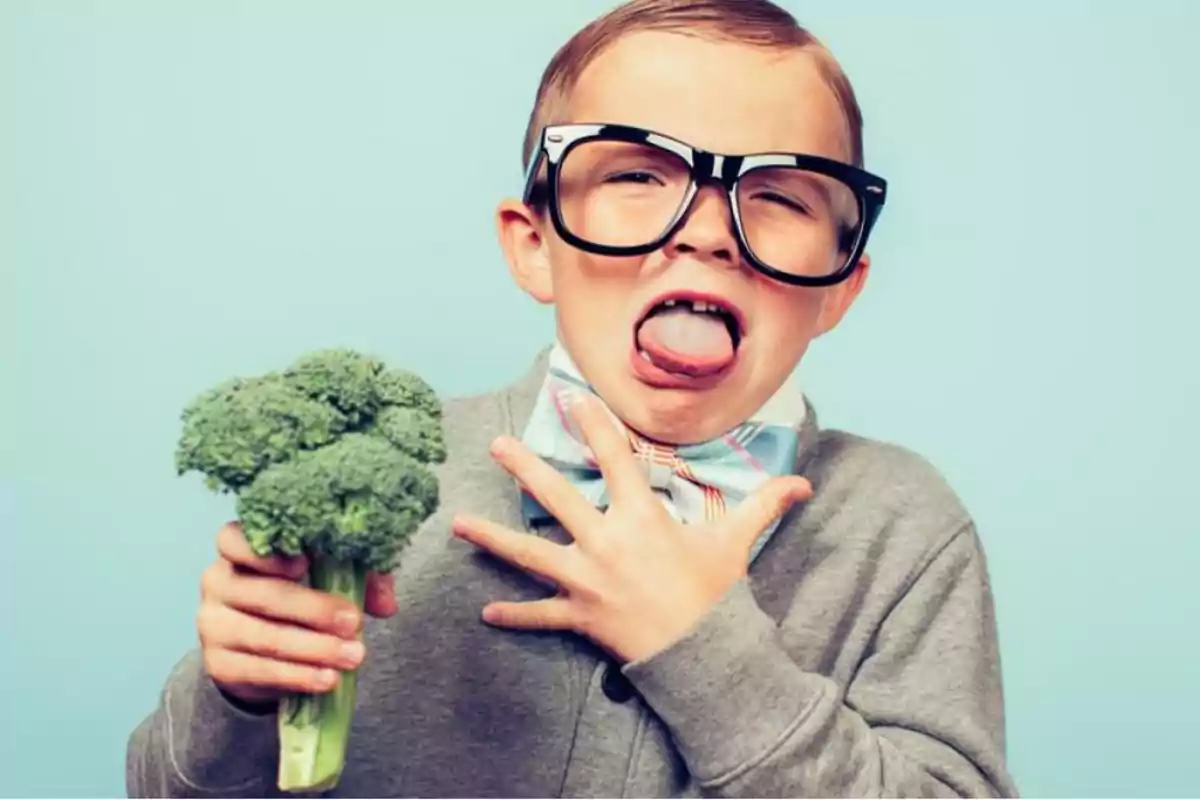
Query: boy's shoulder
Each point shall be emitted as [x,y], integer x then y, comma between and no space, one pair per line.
[886,474]
[881,496]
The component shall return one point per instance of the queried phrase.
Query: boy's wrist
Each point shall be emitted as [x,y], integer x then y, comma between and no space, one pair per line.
[728,671]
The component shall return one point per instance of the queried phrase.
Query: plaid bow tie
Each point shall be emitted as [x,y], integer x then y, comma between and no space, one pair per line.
[697,483]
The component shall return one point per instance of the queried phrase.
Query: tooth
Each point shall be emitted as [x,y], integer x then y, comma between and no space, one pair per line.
[670,303]
[700,307]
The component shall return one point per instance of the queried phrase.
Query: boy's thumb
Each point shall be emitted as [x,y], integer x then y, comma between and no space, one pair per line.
[769,503]
[381,595]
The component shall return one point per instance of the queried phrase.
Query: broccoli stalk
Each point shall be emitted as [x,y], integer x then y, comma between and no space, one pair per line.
[315,728]
[330,459]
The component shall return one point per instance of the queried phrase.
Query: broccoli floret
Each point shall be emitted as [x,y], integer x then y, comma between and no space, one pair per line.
[329,458]
[406,390]
[233,432]
[347,380]
[355,500]
[412,432]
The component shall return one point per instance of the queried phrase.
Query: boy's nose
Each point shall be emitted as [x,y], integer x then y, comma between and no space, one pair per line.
[707,230]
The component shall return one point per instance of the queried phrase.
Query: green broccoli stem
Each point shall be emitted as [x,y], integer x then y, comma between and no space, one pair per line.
[314,728]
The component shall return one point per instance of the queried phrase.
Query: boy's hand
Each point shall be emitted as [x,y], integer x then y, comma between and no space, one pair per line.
[633,580]
[263,634]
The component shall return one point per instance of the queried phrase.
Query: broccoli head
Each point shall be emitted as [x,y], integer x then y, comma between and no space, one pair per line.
[355,500]
[331,444]
[329,458]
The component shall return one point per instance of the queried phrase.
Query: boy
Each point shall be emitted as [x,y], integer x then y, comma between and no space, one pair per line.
[713,596]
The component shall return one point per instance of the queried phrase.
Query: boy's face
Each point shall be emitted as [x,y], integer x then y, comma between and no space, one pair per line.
[725,98]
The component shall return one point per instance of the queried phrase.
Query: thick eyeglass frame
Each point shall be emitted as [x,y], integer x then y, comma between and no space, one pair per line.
[557,141]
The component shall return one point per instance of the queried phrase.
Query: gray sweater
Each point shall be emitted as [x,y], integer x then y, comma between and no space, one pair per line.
[859,659]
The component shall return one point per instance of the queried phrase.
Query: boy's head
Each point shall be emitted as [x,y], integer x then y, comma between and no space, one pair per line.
[687,311]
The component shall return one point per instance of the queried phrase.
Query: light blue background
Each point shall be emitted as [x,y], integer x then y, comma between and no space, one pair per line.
[192,191]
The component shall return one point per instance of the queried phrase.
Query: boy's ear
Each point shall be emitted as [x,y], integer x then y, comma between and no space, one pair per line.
[840,297]
[525,248]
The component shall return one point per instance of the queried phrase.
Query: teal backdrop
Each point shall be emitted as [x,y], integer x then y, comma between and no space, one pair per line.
[195,190]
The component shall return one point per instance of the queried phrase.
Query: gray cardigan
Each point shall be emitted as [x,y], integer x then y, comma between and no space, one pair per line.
[860,659]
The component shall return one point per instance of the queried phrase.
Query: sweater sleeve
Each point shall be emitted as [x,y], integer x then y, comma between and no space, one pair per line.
[197,743]
[922,717]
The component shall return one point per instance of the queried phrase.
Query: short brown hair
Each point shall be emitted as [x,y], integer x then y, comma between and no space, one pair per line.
[759,23]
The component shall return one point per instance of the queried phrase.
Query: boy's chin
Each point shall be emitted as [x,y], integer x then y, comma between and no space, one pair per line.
[677,416]
[686,422]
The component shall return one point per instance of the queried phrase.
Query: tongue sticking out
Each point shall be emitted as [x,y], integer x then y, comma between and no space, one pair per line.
[684,341]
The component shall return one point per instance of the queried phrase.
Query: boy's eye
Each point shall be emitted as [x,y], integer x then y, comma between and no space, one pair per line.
[633,176]
[790,203]
[796,191]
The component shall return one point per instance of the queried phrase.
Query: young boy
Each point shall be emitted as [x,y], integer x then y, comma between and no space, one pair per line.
[713,596]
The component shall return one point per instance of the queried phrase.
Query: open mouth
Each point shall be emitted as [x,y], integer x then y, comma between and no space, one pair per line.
[687,339]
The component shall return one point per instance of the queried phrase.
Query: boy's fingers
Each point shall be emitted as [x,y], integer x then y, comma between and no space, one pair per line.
[540,558]
[551,614]
[557,494]
[233,669]
[282,600]
[748,521]
[233,547]
[381,595]
[225,628]
[615,458]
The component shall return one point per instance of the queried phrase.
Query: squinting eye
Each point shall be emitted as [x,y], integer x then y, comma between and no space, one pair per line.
[774,197]
[633,177]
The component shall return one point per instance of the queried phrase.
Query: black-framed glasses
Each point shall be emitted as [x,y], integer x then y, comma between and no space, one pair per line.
[619,190]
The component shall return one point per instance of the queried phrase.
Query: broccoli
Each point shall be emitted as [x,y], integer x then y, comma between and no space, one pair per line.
[329,458]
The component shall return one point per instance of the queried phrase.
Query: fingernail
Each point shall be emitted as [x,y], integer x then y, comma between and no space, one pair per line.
[327,678]
[352,653]
[500,446]
[346,623]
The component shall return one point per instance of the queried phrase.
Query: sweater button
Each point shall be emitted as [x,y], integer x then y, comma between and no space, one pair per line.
[616,686]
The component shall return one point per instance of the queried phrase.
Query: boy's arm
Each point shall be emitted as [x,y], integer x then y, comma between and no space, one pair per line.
[198,744]
[923,716]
